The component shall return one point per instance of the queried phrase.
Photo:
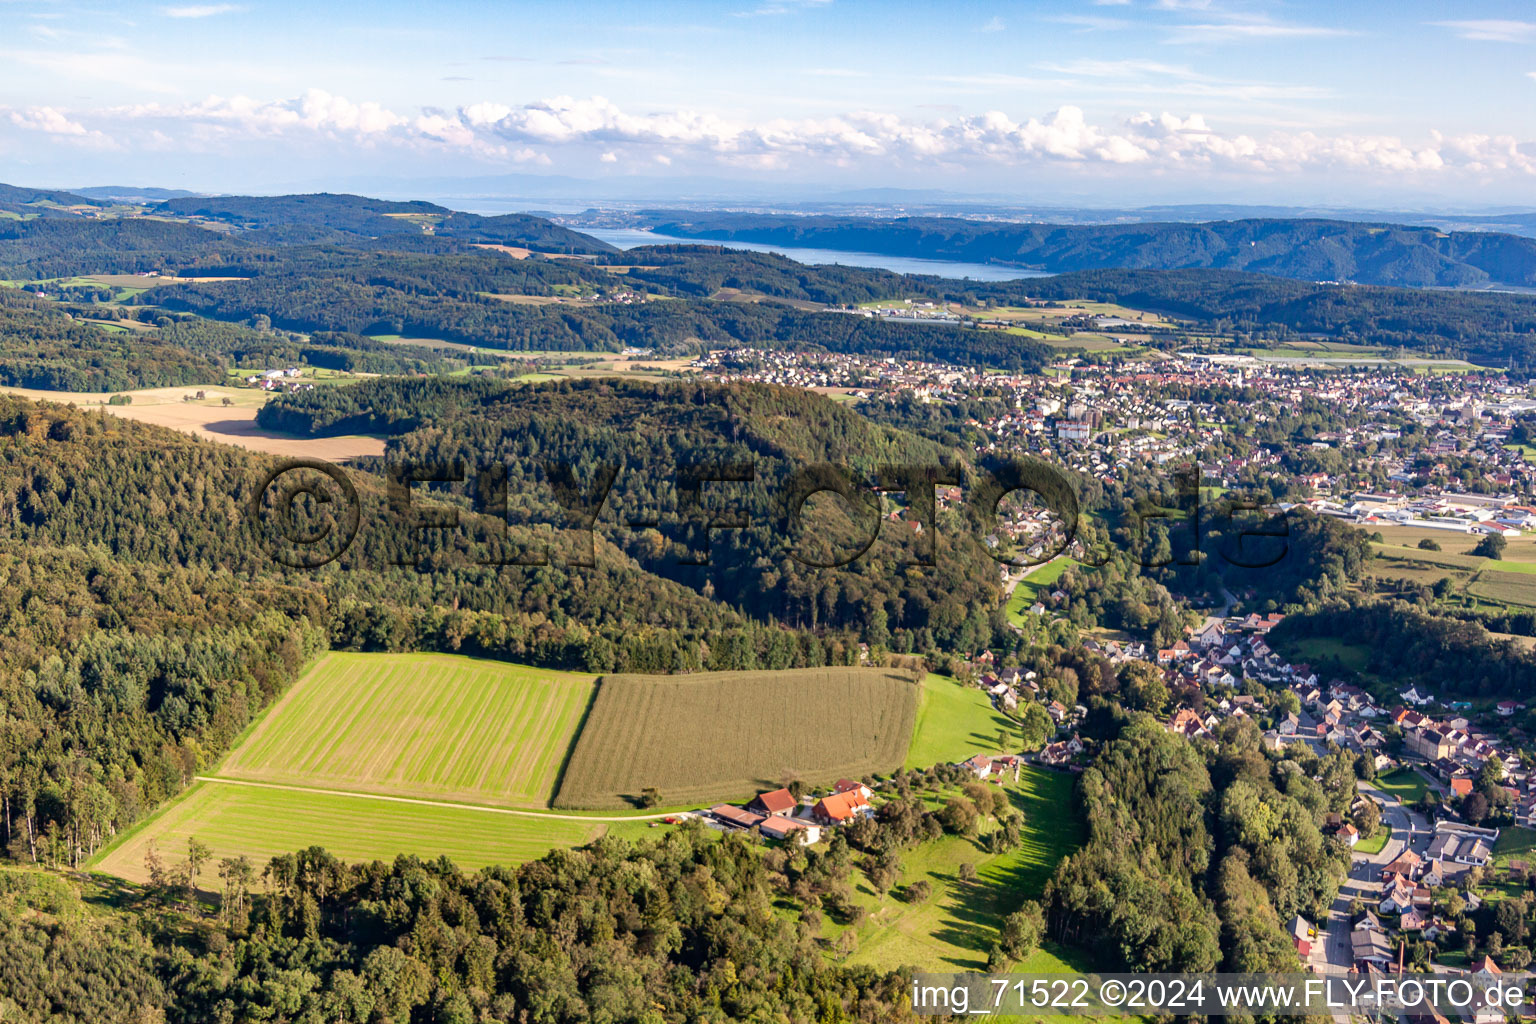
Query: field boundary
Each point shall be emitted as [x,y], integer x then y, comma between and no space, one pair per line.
[570,748]
[486,808]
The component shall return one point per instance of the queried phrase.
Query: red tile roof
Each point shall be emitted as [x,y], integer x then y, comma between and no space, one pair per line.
[840,806]
[779,801]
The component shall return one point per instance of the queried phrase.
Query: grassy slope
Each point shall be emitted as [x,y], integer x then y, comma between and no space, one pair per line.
[953,722]
[261,823]
[1039,581]
[1514,843]
[955,927]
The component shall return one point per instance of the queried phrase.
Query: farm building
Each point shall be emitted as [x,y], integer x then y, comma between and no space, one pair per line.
[795,829]
[779,801]
[850,786]
[840,808]
[735,817]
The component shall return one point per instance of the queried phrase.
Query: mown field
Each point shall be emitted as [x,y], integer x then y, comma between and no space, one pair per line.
[1040,581]
[724,735]
[260,823]
[954,722]
[428,725]
[1404,783]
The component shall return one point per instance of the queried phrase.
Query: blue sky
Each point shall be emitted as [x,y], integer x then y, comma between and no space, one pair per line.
[1102,103]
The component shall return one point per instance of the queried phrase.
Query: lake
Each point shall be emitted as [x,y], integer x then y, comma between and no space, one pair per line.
[629,238]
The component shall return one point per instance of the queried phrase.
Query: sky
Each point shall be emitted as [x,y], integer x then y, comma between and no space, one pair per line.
[1108,103]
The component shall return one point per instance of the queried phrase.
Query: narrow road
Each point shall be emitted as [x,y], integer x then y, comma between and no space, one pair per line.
[1410,830]
[444,803]
[1228,599]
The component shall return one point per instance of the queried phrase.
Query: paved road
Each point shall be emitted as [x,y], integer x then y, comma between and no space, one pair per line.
[1409,830]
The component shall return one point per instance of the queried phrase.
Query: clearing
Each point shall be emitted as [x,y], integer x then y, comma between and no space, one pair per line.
[953,929]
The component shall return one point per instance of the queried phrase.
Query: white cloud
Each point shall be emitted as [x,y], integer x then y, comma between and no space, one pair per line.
[1245,29]
[1492,30]
[782,7]
[597,128]
[199,10]
[1091,22]
[47,120]
[53,122]
[995,25]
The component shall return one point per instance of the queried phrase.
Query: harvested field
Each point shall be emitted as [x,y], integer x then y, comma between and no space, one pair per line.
[212,420]
[725,735]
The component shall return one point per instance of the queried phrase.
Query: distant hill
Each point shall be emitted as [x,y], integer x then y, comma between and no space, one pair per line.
[133,193]
[1493,328]
[1307,250]
[324,217]
[18,199]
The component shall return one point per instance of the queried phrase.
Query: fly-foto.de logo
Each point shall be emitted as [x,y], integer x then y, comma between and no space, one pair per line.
[309,513]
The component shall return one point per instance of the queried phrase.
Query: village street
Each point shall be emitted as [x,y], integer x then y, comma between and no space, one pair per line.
[1410,830]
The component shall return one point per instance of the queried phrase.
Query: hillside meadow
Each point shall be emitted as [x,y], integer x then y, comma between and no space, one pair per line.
[953,929]
[234,819]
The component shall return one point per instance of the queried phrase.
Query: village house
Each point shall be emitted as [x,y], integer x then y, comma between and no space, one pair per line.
[1302,934]
[840,808]
[851,786]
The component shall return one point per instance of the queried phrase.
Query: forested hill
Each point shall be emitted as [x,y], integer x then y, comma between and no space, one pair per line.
[1497,328]
[327,217]
[770,567]
[18,199]
[1308,250]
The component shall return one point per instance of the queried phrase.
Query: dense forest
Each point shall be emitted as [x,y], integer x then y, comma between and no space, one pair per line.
[1406,644]
[640,439]
[339,216]
[43,347]
[1308,250]
[680,929]
[1199,852]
